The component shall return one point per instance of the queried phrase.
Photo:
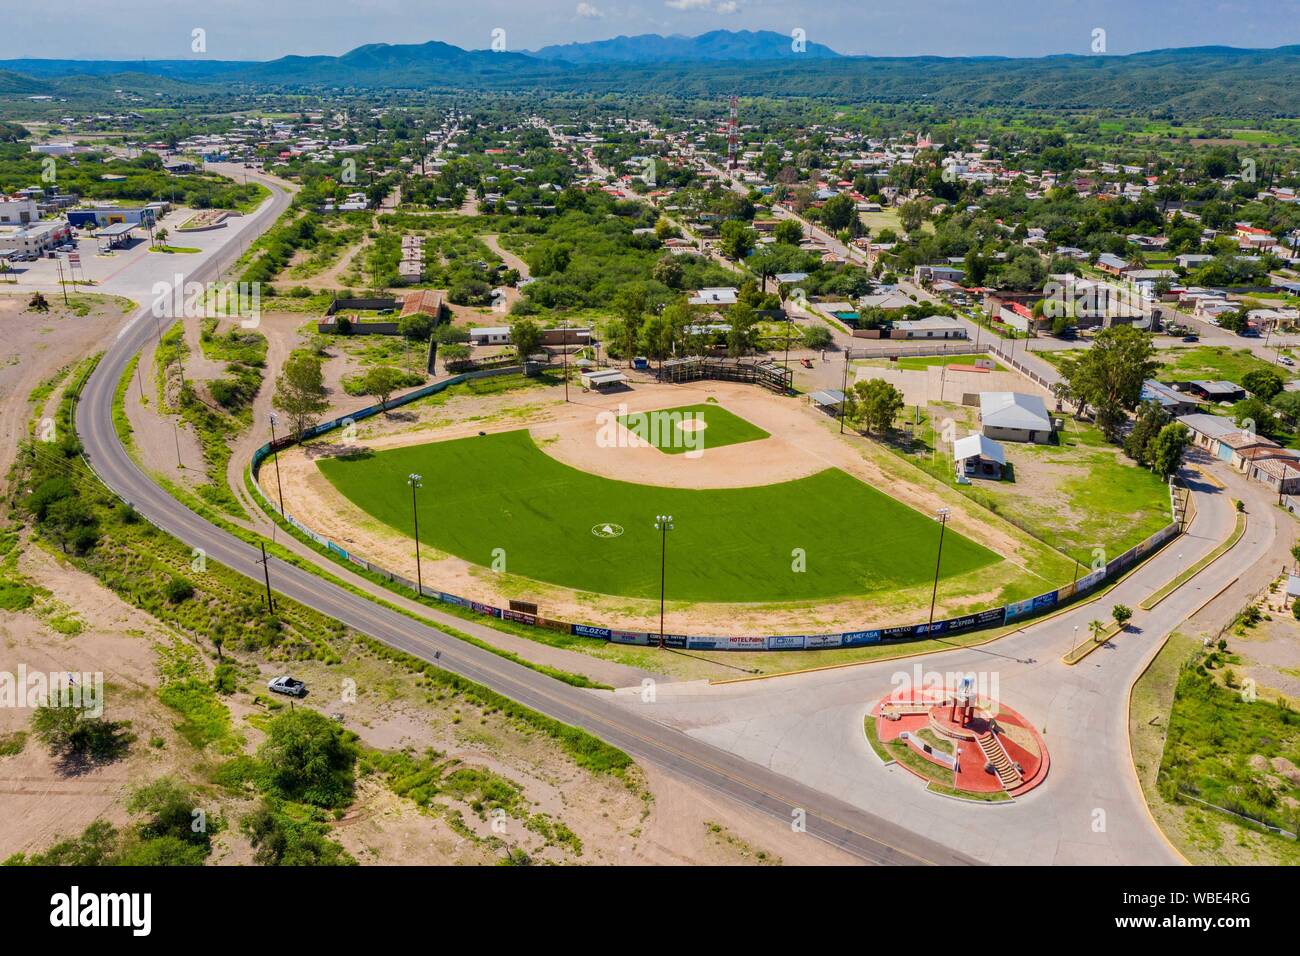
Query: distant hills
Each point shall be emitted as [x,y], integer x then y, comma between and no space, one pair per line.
[1201,81]
[716,45]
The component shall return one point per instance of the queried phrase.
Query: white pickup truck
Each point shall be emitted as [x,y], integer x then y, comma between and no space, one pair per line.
[287,685]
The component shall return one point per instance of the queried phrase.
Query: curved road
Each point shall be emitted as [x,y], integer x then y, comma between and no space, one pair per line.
[865,835]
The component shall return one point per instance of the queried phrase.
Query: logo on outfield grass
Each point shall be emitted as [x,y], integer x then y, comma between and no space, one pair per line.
[607,530]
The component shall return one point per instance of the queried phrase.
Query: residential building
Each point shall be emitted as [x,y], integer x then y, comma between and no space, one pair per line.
[1015,416]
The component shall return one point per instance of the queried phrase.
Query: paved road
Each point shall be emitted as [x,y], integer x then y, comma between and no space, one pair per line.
[839,823]
[1090,810]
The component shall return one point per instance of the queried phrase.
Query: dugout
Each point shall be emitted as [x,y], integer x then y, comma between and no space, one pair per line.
[751,371]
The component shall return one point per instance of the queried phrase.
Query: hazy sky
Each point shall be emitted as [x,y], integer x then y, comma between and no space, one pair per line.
[264,29]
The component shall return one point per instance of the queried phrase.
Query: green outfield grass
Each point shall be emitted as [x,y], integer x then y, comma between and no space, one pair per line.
[727,545]
[662,429]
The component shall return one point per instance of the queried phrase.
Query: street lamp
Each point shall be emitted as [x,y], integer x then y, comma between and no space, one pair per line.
[275,454]
[414,481]
[663,524]
[942,515]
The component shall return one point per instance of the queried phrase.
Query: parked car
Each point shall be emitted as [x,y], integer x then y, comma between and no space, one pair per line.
[1191,337]
[1286,360]
[287,685]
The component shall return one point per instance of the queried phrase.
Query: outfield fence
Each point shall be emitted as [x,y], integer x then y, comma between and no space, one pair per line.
[1017,611]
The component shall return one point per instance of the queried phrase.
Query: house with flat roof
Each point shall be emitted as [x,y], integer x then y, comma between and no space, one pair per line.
[715,296]
[490,335]
[1015,416]
[1217,391]
[1170,399]
[930,327]
[1208,430]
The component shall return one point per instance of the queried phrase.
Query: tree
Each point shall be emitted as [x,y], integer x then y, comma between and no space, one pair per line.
[736,240]
[1150,419]
[668,270]
[381,381]
[73,733]
[310,758]
[300,391]
[453,352]
[1167,449]
[657,335]
[838,212]
[817,337]
[1097,629]
[913,213]
[39,303]
[1122,614]
[876,403]
[418,326]
[740,339]
[1263,383]
[630,303]
[1255,416]
[1234,321]
[788,232]
[283,839]
[526,336]
[160,238]
[1109,376]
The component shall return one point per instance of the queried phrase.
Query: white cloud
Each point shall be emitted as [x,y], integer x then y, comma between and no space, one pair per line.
[589,11]
[712,6]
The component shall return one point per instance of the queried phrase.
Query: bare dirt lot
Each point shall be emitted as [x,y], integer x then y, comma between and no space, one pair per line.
[37,344]
[76,625]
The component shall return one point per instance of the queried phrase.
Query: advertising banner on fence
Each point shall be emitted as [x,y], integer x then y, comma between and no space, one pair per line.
[812,641]
[903,632]
[727,643]
[519,617]
[1034,605]
[446,598]
[587,630]
[785,643]
[486,609]
[1118,565]
[1090,580]
[629,637]
[970,622]
[858,638]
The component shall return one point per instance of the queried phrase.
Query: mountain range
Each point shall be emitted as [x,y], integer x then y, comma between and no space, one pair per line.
[1199,81]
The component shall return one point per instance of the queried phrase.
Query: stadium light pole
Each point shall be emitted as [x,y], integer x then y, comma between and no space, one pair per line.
[663,524]
[942,515]
[275,454]
[414,481]
[844,390]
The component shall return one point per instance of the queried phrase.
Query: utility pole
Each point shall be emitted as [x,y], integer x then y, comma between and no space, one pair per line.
[415,481]
[266,571]
[275,454]
[62,285]
[663,524]
[942,515]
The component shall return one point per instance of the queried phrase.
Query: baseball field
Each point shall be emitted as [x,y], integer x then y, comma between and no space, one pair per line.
[499,501]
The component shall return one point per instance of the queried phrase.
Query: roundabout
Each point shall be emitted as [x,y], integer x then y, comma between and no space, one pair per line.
[962,743]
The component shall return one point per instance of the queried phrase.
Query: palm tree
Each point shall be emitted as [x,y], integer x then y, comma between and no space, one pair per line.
[1097,628]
